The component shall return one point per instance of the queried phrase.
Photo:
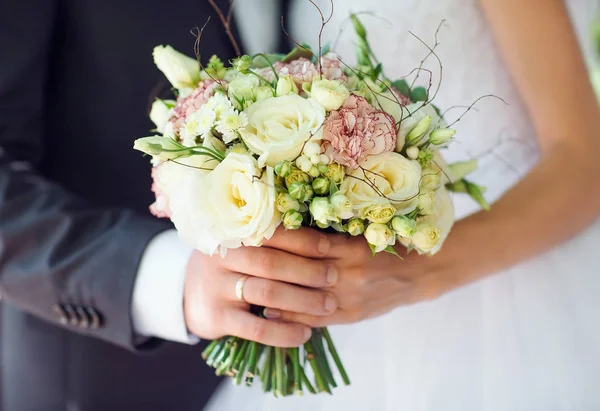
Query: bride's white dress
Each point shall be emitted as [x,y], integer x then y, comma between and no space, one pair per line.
[525,339]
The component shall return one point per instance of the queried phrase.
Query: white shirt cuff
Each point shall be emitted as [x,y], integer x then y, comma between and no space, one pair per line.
[157,303]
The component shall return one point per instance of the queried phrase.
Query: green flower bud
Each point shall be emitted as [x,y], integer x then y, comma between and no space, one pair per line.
[285,86]
[242,63]
[308,193]
[285,203]
[335,173]
[418,131]
[322,211]
[298,190]
[441,136]
[322,168]
[412,152]
[461,169]
[404,226]
[163,148]
[292,220]
[321,185]
[355,226]
[283,168]
[314,172]
[296,175]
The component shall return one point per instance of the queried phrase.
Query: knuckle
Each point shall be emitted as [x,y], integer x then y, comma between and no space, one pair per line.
[267,292]
[259,330]
[264,260]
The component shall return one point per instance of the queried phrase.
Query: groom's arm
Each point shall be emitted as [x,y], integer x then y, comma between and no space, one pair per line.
[62,258]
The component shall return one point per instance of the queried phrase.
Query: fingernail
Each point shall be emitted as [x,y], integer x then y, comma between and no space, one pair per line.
[323,245]
[271,313]
[332,275]
[330,304]
[307,333]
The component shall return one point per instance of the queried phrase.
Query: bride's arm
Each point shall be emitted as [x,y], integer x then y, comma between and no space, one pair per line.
[561,195]
[556,200]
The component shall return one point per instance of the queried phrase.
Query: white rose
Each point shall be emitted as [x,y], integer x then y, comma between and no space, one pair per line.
[342,206]
[160,113]
[239,205]
[432,230]
[427,202]
[278,127]
[184,187]
[388,178]
[181,71]
[380,236]
[331,94]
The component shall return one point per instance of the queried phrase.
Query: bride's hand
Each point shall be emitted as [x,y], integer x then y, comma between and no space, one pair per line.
[368,287]
[212,309]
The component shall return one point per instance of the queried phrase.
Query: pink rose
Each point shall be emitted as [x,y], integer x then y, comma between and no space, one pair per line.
[358,130]
[192,102]
[160,208]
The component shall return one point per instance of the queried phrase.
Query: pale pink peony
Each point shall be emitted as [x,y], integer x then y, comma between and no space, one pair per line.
[192,102]
[356,131]
[160,208]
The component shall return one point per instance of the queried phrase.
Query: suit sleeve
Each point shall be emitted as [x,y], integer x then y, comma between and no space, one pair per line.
[62,258]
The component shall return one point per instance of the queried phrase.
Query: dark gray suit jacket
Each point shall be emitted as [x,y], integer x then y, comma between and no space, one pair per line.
[76,82]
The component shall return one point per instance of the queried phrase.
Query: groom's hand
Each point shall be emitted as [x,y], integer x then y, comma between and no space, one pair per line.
[288,273]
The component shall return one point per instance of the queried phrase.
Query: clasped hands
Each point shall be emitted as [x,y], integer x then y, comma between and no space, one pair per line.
[305,279]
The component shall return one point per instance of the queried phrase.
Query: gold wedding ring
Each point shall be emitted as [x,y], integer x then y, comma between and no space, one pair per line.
[239,288]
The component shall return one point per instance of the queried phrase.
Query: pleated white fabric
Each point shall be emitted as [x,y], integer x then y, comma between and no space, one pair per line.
[525,339]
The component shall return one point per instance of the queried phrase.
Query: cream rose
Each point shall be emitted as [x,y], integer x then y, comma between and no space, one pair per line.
[380,236]
[331,94]
[240,206]
[432,230]
[183,72]
[279,127]
[388,178]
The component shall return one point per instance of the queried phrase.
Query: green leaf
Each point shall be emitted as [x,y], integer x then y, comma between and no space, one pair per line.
[392,250]
[373,252]
[457,187]
[376,72]
[437,110]
[333,188]
[262,60]
[476,194]
[303,50]
[418,94]
[402,86]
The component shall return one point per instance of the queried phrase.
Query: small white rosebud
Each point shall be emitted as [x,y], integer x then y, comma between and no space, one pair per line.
[380,236]
[412,152]
[263,93]
[242,63]
[342,206]
[285,203]
[292,220]
[314,172]
[378,213]
[331,94]
[441,136]
[304,163]
[426,237]
[315,159]
[418,131]
[322,211]
[296,175]
[312,148]
[355,226]
[321,185]
[324,159]
[404,226]
[285,86]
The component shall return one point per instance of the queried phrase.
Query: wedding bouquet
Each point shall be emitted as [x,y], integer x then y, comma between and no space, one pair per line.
[298,140]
